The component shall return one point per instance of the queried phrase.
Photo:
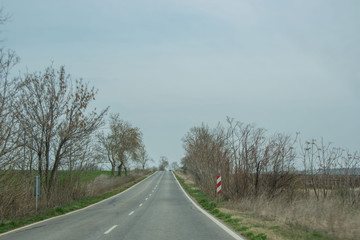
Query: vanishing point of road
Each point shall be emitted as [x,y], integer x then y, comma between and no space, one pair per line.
[154,209]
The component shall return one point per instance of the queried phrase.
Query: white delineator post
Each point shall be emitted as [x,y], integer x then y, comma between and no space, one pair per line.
[218,184]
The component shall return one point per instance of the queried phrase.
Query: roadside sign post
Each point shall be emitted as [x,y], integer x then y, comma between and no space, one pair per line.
[37,190]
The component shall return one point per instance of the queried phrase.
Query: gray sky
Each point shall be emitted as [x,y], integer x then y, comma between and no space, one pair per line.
[169,65]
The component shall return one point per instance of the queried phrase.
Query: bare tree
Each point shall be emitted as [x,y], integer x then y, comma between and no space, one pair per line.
[55,115]
[121,143]
[142,156]
[249,162]
[107,148]
[9,134]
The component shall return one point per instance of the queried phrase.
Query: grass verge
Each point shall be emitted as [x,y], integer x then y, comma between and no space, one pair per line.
[250,225]
[9,225]
[213,208]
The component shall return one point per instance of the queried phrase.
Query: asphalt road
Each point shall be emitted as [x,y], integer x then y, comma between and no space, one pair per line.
[156,208]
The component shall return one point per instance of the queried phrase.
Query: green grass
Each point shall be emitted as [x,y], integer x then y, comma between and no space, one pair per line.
[60,210]
[274,227]
[86,176]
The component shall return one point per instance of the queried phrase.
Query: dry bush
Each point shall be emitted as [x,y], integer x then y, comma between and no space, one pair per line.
[17,195]
[16,198]
[64,191]
[103,183]
[329,216]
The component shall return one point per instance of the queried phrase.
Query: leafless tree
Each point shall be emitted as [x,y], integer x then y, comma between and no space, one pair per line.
[142,156]
[121,143]
[249,162]
[9,134]
[107,149]
[55,114]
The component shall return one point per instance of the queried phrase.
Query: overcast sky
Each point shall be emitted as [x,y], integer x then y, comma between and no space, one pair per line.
[169,65]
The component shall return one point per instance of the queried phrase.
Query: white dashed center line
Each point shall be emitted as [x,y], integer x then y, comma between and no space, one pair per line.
[140,204]
[110,229]
[131,213]
[146,199]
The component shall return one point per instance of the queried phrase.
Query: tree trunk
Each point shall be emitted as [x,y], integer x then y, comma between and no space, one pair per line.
[40,167]
[119,169]
[112,169]
[56,164]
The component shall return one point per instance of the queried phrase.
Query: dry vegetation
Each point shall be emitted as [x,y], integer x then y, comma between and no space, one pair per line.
[259,179]
[17,200]
[49,128]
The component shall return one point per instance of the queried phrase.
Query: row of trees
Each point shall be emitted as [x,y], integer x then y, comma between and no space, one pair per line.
[253,163]
[47,124]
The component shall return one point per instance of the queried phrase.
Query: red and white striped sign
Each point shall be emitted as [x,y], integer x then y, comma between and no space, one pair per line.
[218,184]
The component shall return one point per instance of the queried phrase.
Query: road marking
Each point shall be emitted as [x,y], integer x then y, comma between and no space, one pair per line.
[152,190]
[131,213]
[146,199]
[150,195]
[140,204]
[82,209]
[220,224]
[110,229]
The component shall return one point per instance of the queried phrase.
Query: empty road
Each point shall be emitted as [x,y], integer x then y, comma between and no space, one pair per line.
[156,208]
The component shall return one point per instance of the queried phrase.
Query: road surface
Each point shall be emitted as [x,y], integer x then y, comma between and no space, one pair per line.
[156,208]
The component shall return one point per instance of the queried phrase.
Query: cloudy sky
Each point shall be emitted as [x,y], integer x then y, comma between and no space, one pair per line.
[168,65]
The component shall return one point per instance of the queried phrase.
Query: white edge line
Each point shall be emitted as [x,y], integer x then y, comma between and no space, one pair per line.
[112,228]
[220,224]
[33,224]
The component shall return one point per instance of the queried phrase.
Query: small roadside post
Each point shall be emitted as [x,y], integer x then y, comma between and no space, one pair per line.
[218,190]
[37,190]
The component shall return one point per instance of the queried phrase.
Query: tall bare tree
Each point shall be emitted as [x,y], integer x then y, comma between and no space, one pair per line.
[54,112]
[9,133]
